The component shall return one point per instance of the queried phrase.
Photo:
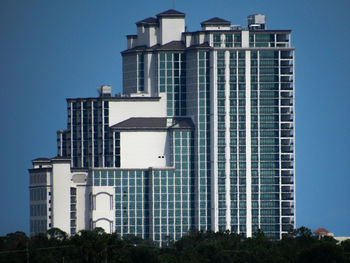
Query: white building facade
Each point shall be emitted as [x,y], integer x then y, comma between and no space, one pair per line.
[202,137]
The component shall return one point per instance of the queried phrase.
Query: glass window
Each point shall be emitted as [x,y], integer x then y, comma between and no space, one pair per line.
[217,40]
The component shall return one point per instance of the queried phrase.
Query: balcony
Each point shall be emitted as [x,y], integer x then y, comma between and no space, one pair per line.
[287,149]
[285,126]
[287,110]
[287,173]
[287,95]
[287,133]
[286,102]
[287,220]
[286,54]
[289,205]
[286,63]
[287,157]
[287,227]
[287,118]
[286,71]
[287,180]
[287,212]
[282,37]
[287,196]
[287,165]
[286,79]
[287,189]
[287,142]
[286,86]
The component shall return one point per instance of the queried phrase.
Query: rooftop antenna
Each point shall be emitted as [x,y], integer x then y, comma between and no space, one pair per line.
[173,4]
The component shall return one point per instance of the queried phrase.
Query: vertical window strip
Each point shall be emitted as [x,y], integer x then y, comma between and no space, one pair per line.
[140,72]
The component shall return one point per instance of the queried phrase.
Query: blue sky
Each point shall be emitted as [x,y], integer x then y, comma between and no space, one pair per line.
[52,50]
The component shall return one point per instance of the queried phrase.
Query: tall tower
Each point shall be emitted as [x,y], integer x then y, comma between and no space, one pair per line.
[202,137]
[239,92]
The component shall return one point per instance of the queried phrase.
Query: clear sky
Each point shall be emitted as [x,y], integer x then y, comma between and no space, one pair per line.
[53,50]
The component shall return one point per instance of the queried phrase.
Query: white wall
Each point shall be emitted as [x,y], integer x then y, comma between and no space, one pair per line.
[146,36]
[245,38]
[150,79]
[61,184]
[103,213]
[152,36]
[141,149]
[123,110]
[212,27]
[61,177]
[171,29]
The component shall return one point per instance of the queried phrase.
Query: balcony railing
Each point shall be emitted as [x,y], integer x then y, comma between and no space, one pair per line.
[286,63]
[287,165]
[286,54]
[287,227]
[286,102]
[287,110]
[288,95]
[287,189]
[286,149]
[287,157]
[285,126]
[287,180]
[286,71]
[287,142]
[287,133]
[287,220]
[287,212]
[289,205]
[287,196]
[287,118]
[287,173]
[286,86]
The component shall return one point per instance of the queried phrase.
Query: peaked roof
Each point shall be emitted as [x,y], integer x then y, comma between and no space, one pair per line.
[171,13]
[41,159]
[216,21]
[153,123]
[173,45]
[148,21]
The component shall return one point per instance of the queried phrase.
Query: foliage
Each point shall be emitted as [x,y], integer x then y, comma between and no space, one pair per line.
[298,246]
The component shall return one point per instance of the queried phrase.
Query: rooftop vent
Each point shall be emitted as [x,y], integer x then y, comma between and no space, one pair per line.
[236,27]
[257,22]
[105,91]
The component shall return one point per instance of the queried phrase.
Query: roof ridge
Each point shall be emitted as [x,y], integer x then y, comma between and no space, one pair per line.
[148,20]
[216,20]
[171,12]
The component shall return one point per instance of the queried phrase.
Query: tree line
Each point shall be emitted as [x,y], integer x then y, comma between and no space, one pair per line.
[87,246]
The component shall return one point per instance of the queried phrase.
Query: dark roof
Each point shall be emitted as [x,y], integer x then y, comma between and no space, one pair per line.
[216,21]
[115,98]
[171,13]
[148,21]
[173,45]
[154,123]
[41,159]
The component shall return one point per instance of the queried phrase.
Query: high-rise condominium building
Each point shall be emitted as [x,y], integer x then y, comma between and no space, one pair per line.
[202,137]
